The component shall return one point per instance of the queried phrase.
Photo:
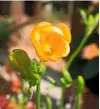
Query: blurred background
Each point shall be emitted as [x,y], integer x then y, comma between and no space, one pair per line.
[19,18]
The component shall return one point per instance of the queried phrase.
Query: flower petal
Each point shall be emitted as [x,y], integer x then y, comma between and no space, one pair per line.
[56,43]
[51,42]
[42,24]
[65,31]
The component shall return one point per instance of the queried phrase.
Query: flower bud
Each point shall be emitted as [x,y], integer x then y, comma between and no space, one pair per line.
[31,71]
[38,67]
[21,62]
[80,85]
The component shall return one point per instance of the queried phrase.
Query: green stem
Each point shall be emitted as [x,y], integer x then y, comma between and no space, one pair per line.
[62,98]
[78,102]
[48,102]
[77,51]
[38,96]
[72,57]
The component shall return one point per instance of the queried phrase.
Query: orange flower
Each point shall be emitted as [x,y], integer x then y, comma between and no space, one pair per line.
[51,42]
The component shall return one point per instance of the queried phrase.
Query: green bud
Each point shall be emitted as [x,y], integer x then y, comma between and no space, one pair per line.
[67,76]
[80,83]
[31,71]
[21,62]
[38,67]
[42,68]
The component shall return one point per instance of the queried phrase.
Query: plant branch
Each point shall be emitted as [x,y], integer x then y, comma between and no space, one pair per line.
[62,98]
[77,51]
[38,96]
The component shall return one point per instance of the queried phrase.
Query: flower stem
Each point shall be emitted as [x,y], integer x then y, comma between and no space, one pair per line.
[62,98]
[72,57]
[48,102]
[38,96]
[77,51]
[78,102]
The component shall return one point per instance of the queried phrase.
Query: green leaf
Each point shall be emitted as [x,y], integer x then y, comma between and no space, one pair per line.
[51,80]
[64,83]
[4,23]
[67,76]
[41,68]
[96,20]
[34,81]
[30,90]
[4,28]
[38,67]
[37,76]
[35,65]
[90,21]
[84,16]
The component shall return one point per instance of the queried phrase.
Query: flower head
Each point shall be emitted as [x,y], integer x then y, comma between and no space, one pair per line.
[51,42]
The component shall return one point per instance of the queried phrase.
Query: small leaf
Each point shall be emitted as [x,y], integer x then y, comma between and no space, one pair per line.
[90,21]
[96,20]
[62,80]
[38,68]
[67,76]
[84,16]
[34,82]
[42,68]
[4,23]
[64,83]
[37,76]
[35,65]
[51,80]
[4,28]
[30,90]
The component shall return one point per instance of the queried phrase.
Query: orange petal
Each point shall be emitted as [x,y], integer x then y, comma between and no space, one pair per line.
[55,57]
[47,30]
[35,38]
[42,24]
[57,44]
[51,28]
[65,31]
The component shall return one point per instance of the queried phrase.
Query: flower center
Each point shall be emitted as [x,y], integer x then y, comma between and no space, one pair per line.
[47,48]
